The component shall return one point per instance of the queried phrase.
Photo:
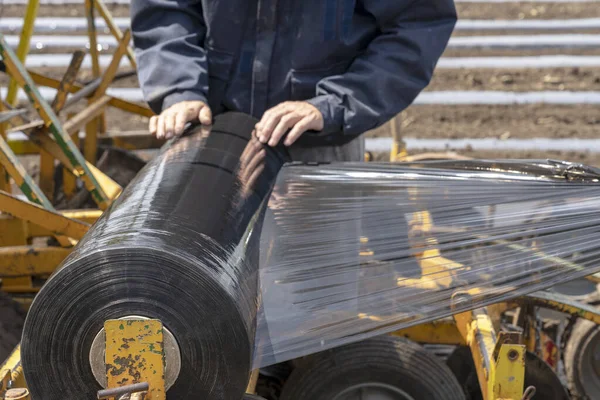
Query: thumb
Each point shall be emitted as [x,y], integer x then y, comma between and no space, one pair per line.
[205,116]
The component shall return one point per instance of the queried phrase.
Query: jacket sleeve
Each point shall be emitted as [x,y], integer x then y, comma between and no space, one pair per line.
[169,45]
[395,67]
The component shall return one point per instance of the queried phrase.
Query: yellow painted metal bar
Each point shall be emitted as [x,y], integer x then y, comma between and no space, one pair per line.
[437,332]
[23,48]
[92,111]
[19,231]
[500,365]
[94,53]
[139,340]
[90,142]
[70,180]
[13,364]
[251,388]
[93,38]
[47,175]
[92,127]
[64,87]
[124,105]
[20,261]
[17,171]
[55,222]
[17,70]
[4,381]
[109,186]
[509,372]
[113,67]
[115,30]
[129,140]
[4,179]
[398,150]
[563,304]
[478,332]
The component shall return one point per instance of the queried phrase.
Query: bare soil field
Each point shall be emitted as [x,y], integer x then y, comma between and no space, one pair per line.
[514,121]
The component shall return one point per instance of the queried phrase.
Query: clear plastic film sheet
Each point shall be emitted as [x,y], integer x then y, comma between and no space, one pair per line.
[351,251]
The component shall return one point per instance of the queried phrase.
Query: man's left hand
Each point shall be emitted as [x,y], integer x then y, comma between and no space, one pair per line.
[299,116]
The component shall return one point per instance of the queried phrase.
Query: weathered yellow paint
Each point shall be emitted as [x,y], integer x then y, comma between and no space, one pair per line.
[251,388]
[55,222]
[499,377]
[13,231]
[16,232]
[23,47]
[437,332]
[13,364]
[135,354]
[562,304]
[18,261]
[478,332]
[508,374]
[128,106]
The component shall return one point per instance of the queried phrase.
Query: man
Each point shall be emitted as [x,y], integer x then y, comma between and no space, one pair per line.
[321,71]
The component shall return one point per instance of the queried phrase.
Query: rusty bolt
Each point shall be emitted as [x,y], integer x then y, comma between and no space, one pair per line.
[17,394]
[513,355]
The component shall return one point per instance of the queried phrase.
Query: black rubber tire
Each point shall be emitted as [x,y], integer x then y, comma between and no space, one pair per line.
[394,362]
[537,373]
[583,380]
[12,317]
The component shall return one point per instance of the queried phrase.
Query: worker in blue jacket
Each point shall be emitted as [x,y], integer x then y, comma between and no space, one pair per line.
[321,71]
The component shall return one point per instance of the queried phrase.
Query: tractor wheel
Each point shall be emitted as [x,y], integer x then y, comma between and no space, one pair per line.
[12,317]
[537,373]
[582,360]
[383,368]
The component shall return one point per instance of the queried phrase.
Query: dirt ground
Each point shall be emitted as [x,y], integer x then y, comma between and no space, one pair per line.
[516,80]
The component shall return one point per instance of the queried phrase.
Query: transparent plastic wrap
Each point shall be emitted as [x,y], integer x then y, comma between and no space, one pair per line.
[351,251]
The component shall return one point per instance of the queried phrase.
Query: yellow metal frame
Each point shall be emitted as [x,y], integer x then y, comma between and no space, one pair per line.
[135,354]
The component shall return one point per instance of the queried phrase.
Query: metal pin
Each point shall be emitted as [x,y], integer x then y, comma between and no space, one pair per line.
[123,390]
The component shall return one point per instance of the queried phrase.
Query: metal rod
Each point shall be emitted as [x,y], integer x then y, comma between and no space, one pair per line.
[123,390]
[23,49]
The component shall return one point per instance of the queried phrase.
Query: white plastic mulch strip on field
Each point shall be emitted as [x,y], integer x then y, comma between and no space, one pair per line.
[542,144]
[550,61]
[66,25]
[63,60]
[457,97]
[58,24]
[496,42]
[526,41]
[426,98]
[47,41]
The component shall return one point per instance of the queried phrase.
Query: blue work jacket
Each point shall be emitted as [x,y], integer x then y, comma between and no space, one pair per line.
[360,62]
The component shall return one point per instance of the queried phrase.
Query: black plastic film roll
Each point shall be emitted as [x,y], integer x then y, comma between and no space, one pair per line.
[180,245]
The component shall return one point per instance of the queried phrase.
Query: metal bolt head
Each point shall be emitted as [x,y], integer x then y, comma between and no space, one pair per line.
[513,355]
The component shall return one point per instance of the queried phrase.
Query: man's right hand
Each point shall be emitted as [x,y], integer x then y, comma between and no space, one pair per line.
[171,121]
